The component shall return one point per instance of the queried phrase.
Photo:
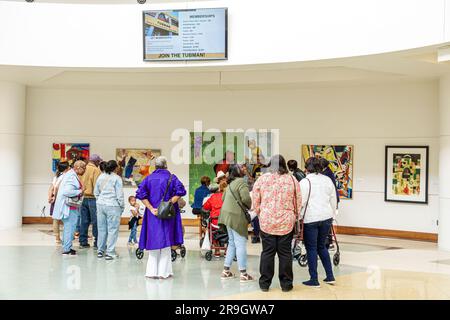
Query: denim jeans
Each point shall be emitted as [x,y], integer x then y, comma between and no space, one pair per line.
[78,224]
[70,224]
[237,247]
[315,236]
[88,216]
[133,234]
[108,223]
[256,228]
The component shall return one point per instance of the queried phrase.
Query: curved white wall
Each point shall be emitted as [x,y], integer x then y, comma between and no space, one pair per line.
[260,31]
[367,116]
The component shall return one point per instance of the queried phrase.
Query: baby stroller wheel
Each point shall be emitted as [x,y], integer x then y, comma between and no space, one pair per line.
[139,253]
[183,252]
[336,259]
[208,256]
[174,255]
[303,260]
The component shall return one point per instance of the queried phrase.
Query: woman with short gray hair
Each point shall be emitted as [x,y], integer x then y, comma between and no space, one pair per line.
[159,235]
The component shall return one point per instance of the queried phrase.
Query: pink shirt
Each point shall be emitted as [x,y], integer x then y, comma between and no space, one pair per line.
[273,201]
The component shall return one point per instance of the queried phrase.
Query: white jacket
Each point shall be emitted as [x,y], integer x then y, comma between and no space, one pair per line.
[322,202]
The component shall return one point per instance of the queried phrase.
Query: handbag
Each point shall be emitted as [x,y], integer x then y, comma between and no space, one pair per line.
[244,209]
[76,201]
[166,209]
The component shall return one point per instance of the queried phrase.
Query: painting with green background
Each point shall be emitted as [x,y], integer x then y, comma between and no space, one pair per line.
[200,165]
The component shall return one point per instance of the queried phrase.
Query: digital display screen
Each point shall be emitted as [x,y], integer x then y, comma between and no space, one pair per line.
[186,34]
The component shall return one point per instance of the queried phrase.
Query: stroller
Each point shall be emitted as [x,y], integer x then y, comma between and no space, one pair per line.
[174,250]
[218,237]
[299,251]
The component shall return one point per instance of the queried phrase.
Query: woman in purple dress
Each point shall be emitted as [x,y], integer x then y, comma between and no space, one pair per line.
[158,235]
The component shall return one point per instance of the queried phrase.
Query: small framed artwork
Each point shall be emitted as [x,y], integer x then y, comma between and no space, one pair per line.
[406,174]
[135,164]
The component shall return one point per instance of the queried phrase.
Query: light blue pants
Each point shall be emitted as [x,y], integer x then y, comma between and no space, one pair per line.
[237,246]
[108,223]
[70,224]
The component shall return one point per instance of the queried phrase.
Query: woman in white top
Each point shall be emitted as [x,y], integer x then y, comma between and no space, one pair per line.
[62,168]
[318,213]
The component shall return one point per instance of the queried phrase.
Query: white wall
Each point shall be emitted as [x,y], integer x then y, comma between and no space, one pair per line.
[260,31]
[369,117]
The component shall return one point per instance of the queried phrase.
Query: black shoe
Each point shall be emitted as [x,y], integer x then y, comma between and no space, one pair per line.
[330,280]
[70,253]
[312,283]
[256,240]
[85,246]
[100,255]
[264,289]
[287,289]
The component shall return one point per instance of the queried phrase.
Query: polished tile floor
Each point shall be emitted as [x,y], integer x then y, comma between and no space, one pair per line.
[31,267]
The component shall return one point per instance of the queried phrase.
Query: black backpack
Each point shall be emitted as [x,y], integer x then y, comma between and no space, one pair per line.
[299,175]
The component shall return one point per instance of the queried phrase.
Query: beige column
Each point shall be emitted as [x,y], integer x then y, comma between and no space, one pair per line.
[12,139]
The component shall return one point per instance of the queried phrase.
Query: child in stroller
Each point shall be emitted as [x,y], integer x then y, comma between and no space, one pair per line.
[218,237]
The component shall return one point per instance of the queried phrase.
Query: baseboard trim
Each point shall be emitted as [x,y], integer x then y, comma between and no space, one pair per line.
[386,233]
[407,235]
[123,221]
[37,220]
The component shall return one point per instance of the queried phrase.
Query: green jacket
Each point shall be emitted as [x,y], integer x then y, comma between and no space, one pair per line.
[231,213]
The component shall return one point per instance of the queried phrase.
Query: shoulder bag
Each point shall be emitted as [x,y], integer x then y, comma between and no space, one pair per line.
[76,201]
[166,209]
[241,205]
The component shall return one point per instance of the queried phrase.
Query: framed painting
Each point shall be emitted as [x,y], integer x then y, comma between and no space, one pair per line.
[69,152]
[135,164]
[406,174]
[341,164]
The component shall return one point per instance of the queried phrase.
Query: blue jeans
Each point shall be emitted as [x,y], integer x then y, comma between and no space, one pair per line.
[315,236]
[237,246]
[256,228]
[78,224]
[108,223]
[70,224]
[88,216]
[133,234]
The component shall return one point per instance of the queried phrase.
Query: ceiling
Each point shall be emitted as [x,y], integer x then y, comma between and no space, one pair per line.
[105,1]
[411,65]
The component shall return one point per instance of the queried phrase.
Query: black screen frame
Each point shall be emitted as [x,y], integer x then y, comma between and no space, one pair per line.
[183,60]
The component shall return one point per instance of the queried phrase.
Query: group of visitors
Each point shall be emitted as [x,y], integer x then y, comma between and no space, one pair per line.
[278,199]
[92,192]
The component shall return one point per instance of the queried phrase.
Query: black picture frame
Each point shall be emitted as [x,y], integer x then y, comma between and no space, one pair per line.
[185,60]
[386,172]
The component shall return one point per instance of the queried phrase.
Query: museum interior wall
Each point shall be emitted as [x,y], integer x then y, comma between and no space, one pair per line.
[365,116]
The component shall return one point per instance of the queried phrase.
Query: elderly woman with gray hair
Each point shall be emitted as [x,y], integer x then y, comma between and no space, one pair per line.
[159,235]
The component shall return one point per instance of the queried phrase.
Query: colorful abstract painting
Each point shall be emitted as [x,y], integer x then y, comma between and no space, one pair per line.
[69,152]
[207,149]
[406,175]
[341,164]
[136,164]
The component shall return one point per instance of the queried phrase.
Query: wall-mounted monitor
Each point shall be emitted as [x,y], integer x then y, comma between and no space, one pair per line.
[185,34]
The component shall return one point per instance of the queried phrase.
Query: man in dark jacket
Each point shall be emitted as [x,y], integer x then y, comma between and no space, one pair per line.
[296,171]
